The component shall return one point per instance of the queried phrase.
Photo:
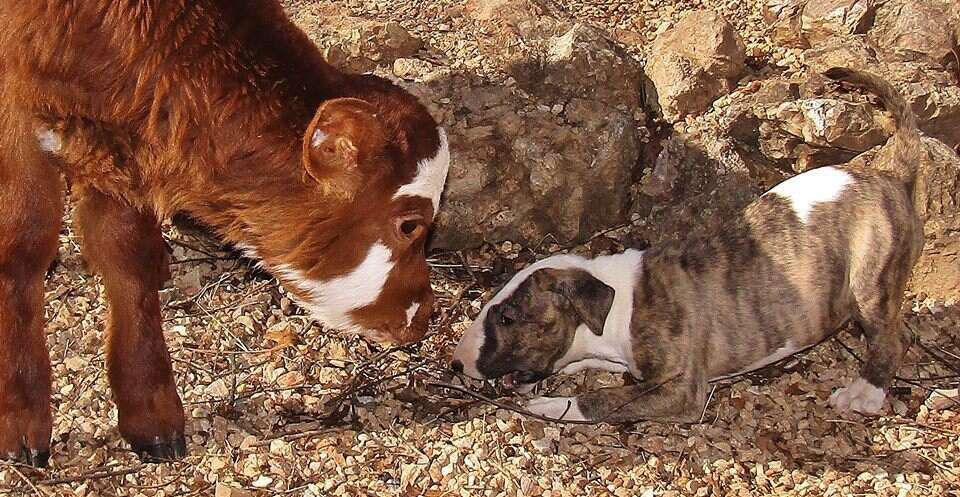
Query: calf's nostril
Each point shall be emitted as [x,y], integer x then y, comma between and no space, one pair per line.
[456,366]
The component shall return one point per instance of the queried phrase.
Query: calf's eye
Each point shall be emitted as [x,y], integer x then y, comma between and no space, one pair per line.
[410,227]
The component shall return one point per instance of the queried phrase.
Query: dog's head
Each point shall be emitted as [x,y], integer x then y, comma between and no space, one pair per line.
[528,328]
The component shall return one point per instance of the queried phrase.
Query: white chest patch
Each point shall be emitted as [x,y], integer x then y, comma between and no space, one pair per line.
[431,176]
[330,301]
[804,191]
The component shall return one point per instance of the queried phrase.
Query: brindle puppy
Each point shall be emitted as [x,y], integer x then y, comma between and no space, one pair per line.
[825,247]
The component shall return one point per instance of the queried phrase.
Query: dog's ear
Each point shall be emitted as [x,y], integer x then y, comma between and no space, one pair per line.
[590,298]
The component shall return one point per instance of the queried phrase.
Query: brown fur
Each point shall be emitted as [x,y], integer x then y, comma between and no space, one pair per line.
[25,418]
[202,107]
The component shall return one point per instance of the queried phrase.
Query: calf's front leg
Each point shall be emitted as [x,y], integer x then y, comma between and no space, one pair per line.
[29,227]
[126,248]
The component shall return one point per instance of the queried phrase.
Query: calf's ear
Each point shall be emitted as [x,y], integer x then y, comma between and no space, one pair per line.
[342,143]
[591,298]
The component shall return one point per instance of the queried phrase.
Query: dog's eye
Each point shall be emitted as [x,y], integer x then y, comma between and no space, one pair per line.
[506,315]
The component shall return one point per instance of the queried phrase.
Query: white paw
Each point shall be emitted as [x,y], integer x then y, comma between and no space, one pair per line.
[564,408]
[860,396]
[49,140]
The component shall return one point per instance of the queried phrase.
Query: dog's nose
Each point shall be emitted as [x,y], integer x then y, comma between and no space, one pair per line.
[457,367]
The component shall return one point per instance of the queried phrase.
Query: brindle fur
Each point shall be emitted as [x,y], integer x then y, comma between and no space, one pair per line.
[537,325]
[711,306]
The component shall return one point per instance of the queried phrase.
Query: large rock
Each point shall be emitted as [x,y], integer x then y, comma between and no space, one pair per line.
[783,18]
[822,19]
[932,91]
[353,43]
[555,59]
[819,131]
[938,201]
[693,64]
[529,177]
[550,161]
[795,126]
[582,63]
[929,27]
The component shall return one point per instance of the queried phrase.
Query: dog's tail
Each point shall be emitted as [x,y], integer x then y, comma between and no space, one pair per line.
[908,151]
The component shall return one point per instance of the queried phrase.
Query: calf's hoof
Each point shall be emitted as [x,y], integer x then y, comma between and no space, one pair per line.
[159,450]
[25,436]
[151,420]
[37,458]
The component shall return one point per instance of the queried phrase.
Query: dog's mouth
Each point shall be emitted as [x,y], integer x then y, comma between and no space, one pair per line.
[514,379]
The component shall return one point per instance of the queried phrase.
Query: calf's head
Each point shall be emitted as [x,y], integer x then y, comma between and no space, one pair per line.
[353,252]
[530,325]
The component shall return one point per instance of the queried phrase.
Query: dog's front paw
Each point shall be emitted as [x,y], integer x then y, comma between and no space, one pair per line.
[860,396]
[558,408]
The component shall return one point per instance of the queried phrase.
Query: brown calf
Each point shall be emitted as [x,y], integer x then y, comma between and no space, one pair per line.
[221,109]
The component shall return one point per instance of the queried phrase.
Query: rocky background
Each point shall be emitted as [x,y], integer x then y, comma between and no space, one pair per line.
[572,117]
[576,125]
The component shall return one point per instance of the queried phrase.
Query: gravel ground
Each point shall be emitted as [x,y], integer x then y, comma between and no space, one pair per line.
[278,406]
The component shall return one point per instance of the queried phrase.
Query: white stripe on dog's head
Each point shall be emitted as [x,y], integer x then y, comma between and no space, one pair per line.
[618,271]
[804,191]
[431,176]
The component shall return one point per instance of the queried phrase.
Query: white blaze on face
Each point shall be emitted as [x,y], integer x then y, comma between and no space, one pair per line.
[806,190]
[468,350]
[330,301]
[431,176]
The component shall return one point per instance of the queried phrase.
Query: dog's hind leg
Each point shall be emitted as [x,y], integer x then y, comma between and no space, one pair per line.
[886,345]
[878,300]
